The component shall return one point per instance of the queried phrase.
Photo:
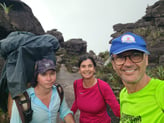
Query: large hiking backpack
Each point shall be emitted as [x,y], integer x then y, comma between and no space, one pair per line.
[21,50]
[23,103]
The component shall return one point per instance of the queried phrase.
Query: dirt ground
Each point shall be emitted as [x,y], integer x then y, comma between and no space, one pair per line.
[66,79]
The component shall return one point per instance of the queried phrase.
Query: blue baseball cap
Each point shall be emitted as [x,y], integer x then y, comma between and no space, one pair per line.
[128,41]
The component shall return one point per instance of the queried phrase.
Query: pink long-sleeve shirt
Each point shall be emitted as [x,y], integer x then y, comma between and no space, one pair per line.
[91,103]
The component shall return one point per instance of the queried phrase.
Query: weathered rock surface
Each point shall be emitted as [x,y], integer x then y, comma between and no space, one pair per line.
[151,28]
[18,18]
[75,46]
[58,35]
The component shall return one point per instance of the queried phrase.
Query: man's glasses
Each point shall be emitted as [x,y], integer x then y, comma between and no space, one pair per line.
[135,57]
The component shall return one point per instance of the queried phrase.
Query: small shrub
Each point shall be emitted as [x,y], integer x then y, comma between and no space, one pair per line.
[70,61]
[104,55]
[107,74]
[5,8]
[156,72]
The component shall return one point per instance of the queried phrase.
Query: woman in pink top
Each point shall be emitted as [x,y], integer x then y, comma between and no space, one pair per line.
[92,95]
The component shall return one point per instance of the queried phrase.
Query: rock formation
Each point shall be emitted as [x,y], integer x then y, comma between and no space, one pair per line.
[151,28]
[58,35]
[75,46]
[17,16]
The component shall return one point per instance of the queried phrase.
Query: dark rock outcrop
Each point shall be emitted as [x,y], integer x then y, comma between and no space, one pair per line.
[58,35]
[19,17]
[75,46]
[151,28]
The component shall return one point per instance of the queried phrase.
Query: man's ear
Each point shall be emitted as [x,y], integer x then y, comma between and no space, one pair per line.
[147,60]
[113,65]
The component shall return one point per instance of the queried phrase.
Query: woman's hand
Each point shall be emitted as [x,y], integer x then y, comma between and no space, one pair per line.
[69,118]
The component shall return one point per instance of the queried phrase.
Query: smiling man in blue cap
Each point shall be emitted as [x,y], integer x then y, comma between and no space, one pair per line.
[142,99]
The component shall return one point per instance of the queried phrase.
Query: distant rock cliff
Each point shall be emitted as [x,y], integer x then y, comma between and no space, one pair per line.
[19,17]
[15,15]
[75,46]
[151,27]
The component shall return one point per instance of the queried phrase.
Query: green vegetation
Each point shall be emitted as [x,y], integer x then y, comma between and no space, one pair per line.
[104,55]
[107,74]
[70,61]
[5,8]
[156,72]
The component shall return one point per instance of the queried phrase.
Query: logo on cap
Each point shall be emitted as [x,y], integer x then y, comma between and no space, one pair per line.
[128,39]
[47,64]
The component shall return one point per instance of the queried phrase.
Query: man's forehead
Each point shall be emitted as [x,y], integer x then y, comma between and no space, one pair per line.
[129,52]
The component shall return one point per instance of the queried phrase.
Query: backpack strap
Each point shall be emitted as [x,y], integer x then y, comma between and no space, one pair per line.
[100,90]
[109,111]
[23,103]
[60,92]
[75,89]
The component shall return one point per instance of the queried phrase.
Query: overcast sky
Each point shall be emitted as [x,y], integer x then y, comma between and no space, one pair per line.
[91,20]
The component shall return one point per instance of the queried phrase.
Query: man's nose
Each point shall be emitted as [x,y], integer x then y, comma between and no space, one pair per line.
[128,61]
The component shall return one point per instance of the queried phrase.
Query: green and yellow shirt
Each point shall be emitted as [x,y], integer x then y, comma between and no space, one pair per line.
[145,105]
